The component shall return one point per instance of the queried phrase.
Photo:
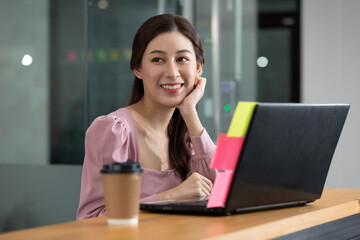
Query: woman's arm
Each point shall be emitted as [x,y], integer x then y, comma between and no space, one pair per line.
[107,140]
[200,178]
[195,186]
[188,108]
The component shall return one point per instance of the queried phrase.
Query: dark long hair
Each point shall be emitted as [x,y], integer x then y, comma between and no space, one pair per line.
[179,141]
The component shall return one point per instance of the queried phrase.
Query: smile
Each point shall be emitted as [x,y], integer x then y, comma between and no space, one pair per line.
[171,87]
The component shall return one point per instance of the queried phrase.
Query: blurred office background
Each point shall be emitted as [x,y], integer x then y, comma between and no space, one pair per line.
[65,62]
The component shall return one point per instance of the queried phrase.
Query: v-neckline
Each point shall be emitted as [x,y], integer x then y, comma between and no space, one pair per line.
[133,126]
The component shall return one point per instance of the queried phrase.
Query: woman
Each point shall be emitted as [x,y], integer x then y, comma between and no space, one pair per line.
[160,128]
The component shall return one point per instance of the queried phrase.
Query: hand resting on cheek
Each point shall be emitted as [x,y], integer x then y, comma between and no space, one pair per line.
[190,101]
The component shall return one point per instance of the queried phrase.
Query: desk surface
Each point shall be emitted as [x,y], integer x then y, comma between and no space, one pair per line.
[334,204]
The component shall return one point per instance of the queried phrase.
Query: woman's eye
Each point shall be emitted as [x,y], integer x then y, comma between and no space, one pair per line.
[182,59]
[157,60]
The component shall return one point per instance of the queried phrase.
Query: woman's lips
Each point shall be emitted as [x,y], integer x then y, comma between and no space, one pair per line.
[172,88]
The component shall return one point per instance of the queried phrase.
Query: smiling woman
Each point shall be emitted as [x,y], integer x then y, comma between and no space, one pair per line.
[168,73]
[160,128]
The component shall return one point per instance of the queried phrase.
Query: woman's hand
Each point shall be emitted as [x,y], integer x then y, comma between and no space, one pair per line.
[190,101]
[188,107]
[195,186]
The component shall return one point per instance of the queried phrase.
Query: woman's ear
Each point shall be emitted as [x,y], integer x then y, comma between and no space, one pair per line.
[137,72]
[198,68]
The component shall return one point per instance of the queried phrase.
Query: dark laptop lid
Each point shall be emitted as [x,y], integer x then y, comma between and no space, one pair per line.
[286,154]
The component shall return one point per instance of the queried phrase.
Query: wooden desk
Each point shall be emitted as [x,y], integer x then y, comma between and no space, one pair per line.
[334,204]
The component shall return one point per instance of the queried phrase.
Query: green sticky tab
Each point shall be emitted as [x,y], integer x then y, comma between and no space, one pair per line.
[241,119]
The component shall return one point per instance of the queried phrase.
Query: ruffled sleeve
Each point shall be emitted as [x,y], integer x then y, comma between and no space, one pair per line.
[203,151]
[108,139]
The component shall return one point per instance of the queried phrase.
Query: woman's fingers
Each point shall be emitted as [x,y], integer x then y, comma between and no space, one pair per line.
[203,183]
[201,82]
[206,183]
[199,89]
[195,95]
[206,180]
[205,191]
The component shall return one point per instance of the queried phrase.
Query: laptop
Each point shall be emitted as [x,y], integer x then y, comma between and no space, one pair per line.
[284,160]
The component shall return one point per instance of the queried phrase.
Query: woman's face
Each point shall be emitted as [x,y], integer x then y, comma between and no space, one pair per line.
[168,69]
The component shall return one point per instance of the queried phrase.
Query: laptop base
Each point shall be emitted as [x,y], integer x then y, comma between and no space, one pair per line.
[196,209]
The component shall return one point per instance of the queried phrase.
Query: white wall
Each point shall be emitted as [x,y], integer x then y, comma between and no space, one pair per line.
[331,73]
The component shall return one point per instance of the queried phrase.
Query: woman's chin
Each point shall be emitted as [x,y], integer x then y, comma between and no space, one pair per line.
[173,105]
[173,101]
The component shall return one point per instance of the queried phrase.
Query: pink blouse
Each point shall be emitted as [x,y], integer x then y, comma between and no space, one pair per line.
[113,138]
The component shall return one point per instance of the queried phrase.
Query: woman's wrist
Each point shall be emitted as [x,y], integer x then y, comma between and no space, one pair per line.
[167,195]
[192,122]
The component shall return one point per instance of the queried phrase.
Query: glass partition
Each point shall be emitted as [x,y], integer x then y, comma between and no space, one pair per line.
[24,81]
[228,32]
[67,81]
[278,45]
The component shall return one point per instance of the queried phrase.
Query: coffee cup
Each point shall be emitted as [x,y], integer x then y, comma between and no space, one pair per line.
[122,184]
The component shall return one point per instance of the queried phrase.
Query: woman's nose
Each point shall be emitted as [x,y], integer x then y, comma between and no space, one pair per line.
[172,70]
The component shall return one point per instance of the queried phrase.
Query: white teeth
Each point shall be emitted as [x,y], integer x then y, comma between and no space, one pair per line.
[172,87]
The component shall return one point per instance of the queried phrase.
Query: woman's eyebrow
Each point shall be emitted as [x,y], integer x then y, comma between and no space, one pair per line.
[183,51]
[163,52]
[157,52]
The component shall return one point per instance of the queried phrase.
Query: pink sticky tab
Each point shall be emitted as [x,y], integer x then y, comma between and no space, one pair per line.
[220,189]
[227,152]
